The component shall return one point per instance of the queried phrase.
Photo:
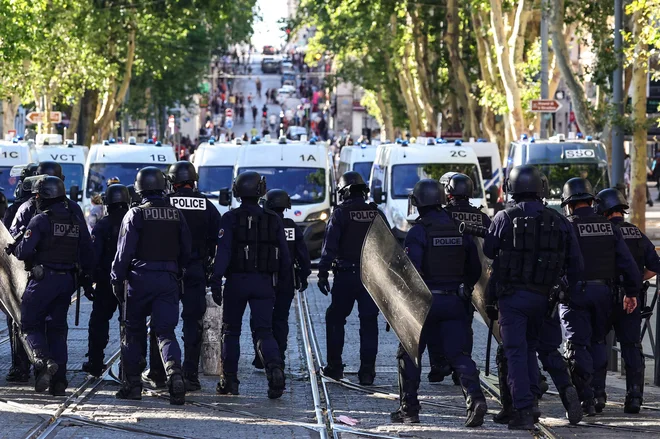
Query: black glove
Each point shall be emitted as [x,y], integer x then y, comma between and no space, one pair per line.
[492,312]
[216,294]
[86,284]
[303,285]
[10,249]
[89,292]
[324,284]
[118,290]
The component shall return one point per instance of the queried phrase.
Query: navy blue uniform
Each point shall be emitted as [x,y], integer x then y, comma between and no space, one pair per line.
[29,209]
[586,319]
[46,301]
[250,283]
[153,284]
[341,250]
[447,321]
[521,310]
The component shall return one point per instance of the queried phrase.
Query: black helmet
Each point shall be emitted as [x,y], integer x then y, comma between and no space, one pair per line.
[50,168]
[181,172]
[150,179]
[277,199]
[525,179]
[30,184]
[349,181]
[50,187]
[135,198]
[249,184]
[610,199]
[457,185]
[28,171]
[577,189]
[427,192]
[116,194]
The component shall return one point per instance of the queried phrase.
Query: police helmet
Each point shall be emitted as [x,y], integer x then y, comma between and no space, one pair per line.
[50,187]
[112,180]
[610,200]
[277,199]
[116,194]
[29,170]
[50,168]
[181,172]
[457,185]
[30,183]
[525,179]
[150,179]
[135,198]
[427,192]
[249,184]
[577,189]
[351,181]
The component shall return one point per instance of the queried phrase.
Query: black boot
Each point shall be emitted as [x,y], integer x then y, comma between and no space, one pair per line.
[276,380]
[93,368]
[543,385]
[17,375]
[192,381]
[536,411]
[522,419]
[504,415]
[153,379]
[45,371]
[406,414]
[634,401]
[257,363]
[569,397]
[439,370]
[177,388]
[335,372]
[366,375]
[476,410]
[456,378]
[130,389]
[600,400]
[228,384]
[58,388]
[589,408]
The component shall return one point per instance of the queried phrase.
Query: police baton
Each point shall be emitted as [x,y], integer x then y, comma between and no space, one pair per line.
[75,282]
[122,333]
[488,345]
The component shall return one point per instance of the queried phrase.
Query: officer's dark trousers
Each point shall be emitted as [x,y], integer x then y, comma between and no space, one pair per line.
[435,355]
[103,308]
[586,319]
[257,290]
[627,328]
[154,293]
[194,307]
[346,290]
[520,319]
[284,294]
[44,317]
[19,358]
[447,322]
[553,362]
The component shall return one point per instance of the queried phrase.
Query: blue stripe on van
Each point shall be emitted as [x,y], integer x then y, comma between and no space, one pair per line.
[495,179]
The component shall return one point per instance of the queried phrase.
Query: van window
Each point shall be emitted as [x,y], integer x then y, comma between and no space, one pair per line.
[364,169]
[559,173]
[379,177]
[404,177]
[99,173]
[342,168]
[73,175]
[214,178]
[485,163]
[304,185]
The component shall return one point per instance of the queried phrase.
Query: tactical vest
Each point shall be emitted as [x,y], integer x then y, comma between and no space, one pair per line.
[445,253]
[112,237]
[356,217]
[61,245]
[533,251]
[255,247]
[290,235]
[596,237]
[633,238]
[467,214]
[193,207]
[161,233]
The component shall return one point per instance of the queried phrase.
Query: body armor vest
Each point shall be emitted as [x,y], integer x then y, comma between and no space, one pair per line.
[445,253]
[290,235]
[160,235]
[193,206]
[596,237]
[61,245]
[634,240]
[467,214]
[255,247]
[110,244]
[356,217]
[533,251]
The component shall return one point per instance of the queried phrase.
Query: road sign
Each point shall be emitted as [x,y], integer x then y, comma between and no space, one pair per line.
[37,117]
[229,113]
[544,106]
[229,124]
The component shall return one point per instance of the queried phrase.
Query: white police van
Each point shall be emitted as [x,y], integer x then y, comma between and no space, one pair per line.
[358,158]
[490,164]
[561,159]
[71,157]
[214,162]
[122,160]
[12,154]
[304,170]
[399,166]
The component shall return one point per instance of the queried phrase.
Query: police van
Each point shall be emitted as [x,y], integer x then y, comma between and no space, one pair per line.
[214,163]
[109,159]
[304,170]
[70,156]
[561,159]
[399,166]
[490,164]
[13,154]
[358,158]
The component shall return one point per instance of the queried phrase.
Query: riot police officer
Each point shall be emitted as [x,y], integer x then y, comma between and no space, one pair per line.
[104,238]
[252,254]
[585,317]
[56,242]
[612,204]
[450,270]
[19,372]
[153,249]
[458,189]
[531,247]
[341,250]
[278,201]
[135,198]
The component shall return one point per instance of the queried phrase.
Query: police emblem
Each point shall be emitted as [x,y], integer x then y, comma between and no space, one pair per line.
[221,233]
[28,233]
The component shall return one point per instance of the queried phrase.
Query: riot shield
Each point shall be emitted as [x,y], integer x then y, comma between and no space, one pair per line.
[395,285]
[480,293]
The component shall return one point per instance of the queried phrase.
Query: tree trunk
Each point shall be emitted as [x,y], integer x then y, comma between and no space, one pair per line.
[638,150]
[11,105]
[89,132]
[75,116]
[426,96]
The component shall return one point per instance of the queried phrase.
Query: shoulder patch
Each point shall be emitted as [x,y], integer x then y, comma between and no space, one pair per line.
[28,233]
[221,233]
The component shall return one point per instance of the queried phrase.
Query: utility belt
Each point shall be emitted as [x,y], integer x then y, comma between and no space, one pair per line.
[38,272]
[462,292]
[508,289]
[596,282]
[345,268]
